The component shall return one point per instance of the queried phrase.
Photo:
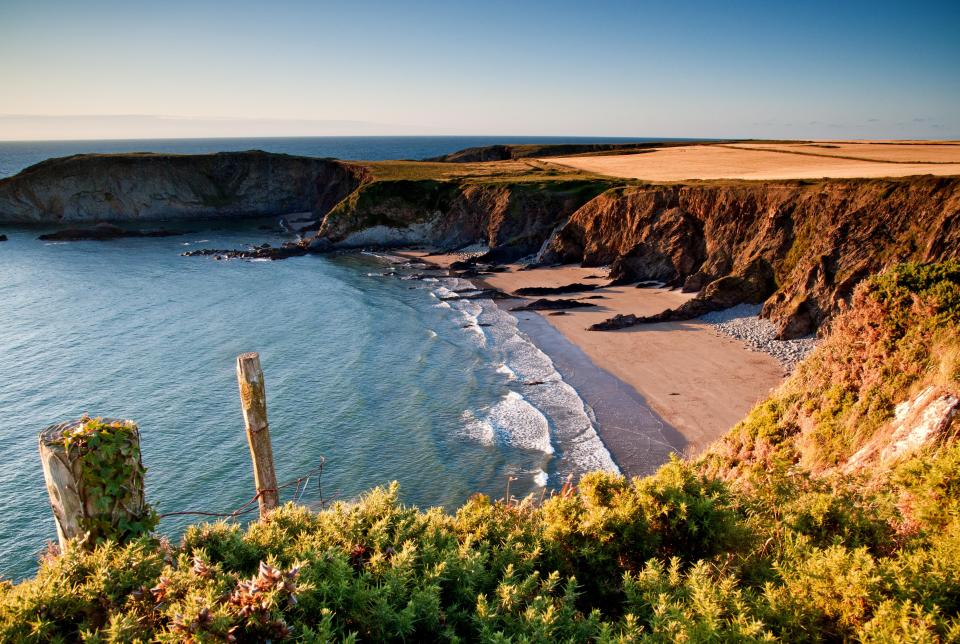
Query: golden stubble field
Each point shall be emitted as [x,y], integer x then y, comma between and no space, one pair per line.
[799,160]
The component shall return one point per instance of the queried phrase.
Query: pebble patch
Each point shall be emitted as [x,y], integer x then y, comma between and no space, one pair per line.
[743,323]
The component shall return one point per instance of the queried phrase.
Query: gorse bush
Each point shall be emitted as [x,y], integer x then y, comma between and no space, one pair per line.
[673,557]
[899,333]
[767,537]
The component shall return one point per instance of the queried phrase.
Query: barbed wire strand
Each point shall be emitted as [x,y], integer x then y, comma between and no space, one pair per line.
[251,505]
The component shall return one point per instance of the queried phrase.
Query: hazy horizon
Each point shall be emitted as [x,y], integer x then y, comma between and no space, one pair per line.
[113,70]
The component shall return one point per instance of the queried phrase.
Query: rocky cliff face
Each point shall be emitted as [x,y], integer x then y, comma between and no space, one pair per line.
[135,187]
[514,218]
[798,246]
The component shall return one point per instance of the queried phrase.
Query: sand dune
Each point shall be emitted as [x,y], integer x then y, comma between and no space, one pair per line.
[842,159]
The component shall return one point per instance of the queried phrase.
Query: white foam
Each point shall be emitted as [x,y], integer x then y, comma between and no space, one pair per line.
[512,422]
[549,415]
[541,478]
[477,429]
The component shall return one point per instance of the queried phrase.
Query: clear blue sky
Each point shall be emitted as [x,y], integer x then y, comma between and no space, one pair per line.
[726,69]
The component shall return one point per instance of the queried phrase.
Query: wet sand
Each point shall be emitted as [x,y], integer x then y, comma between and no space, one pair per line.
[638,439]
[697,384]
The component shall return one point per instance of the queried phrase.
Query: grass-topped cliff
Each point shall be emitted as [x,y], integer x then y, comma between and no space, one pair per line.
[800,247]
[830,513]
[510,205]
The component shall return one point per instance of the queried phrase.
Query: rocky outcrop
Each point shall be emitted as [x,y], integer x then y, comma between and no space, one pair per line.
[263,251]
[139,187]
[105,232]
[558,304]
[798,246]
[917,423]
[512,218]
[576,287]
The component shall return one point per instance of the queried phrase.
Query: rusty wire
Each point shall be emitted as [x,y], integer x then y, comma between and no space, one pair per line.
[299,484]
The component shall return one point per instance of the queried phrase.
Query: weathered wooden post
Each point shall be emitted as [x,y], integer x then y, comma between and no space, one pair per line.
[94,476]
[253,399]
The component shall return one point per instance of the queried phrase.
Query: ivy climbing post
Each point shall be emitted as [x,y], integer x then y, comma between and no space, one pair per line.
[253,400]
[94,476]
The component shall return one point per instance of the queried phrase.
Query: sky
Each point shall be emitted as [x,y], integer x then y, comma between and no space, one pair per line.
[132,69]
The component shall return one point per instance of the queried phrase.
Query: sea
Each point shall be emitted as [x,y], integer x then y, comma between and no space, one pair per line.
[373,369]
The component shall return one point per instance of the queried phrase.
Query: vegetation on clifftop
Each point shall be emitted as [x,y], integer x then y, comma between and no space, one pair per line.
[770,536]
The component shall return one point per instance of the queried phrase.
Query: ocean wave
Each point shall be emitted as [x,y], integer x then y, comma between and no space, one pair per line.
[512,422]
[549,415]
[541,478]
[470,311]
[507,371]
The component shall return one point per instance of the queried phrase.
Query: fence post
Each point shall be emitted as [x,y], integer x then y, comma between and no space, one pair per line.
[94,476]
[253,400]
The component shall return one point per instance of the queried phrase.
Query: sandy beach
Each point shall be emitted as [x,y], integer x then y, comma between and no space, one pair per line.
[699,383]
[842,159]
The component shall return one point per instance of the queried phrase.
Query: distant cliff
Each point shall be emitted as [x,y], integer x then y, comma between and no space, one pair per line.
[544,150]
[142,187]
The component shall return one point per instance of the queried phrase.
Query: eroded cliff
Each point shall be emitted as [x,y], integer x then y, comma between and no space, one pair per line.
[513,218]
[141,187]
[798,246]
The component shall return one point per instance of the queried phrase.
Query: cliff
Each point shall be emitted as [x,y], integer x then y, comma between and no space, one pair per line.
[798,246]
[512,217]
[141,187]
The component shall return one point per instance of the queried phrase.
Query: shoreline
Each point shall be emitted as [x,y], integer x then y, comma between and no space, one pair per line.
[638,440]
[697,384]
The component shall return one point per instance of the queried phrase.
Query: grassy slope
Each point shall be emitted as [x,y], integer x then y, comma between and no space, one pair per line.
[760,539]
[487,172]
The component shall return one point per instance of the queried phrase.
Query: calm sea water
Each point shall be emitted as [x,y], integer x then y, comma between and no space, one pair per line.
[17,155]
[379,374]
